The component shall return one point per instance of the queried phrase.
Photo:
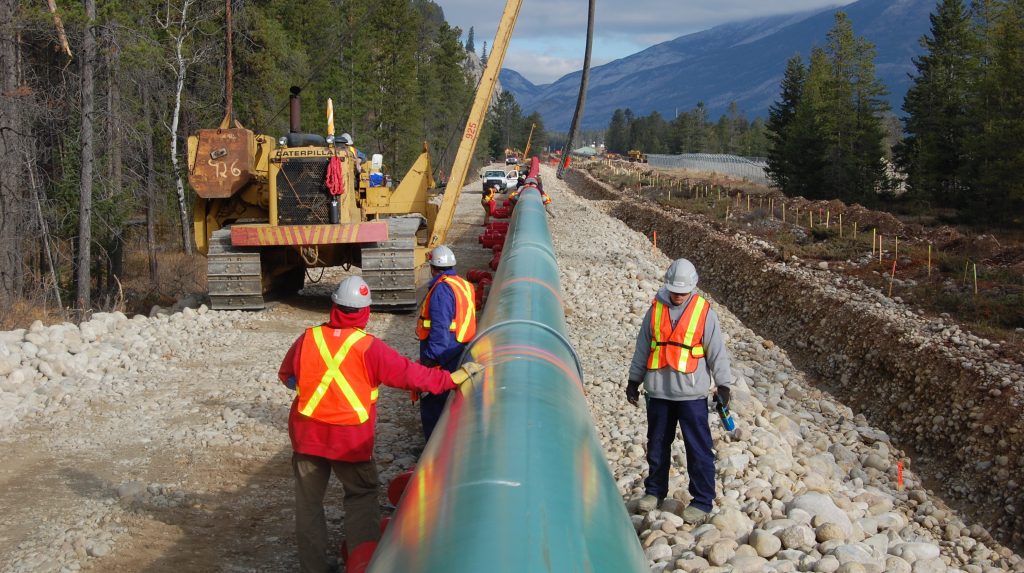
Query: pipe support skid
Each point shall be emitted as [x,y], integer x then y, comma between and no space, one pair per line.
[514,478]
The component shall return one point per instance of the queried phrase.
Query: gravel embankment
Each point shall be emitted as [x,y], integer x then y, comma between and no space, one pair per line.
[805,483]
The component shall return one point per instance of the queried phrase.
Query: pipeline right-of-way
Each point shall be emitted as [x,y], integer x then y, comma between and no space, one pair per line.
[514,478]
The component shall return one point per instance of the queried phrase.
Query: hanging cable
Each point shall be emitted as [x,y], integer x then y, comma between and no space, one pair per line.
[584,78]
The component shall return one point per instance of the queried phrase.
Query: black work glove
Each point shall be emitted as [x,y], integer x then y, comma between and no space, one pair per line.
[633,392]
[722,395]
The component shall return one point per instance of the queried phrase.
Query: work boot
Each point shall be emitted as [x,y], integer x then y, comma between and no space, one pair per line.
[647,503]
[694,515]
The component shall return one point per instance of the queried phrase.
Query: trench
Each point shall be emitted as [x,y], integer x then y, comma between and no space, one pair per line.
[955,415]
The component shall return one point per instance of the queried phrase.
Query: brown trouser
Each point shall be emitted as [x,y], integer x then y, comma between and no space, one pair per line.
[362,511]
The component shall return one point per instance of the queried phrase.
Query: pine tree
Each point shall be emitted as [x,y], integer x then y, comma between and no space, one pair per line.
[933,153]
[394,110]
[470,45]
[782,156]
[448,101]
[996,161]
[615,137]
[806,134]
[483,55]
[853,106]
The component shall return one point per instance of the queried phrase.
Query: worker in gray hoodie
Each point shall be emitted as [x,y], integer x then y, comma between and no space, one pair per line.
[679,353]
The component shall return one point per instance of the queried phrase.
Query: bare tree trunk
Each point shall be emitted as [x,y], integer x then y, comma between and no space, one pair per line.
[14,215]
[46,233]
[150,184]
[179,183]
[84,298]
[115,142]
[180,29]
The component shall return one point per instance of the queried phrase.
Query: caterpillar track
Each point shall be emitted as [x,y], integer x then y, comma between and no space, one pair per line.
[389,267]
[233,274]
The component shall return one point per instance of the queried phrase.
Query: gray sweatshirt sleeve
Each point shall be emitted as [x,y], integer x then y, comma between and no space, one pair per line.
[714,350]
[638,367]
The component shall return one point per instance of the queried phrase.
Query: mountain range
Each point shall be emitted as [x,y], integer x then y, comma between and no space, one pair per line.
[741,62]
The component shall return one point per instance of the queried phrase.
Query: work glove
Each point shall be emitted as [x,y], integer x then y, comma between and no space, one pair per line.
[467,372]
[633,392]
[290,383]
[722,395]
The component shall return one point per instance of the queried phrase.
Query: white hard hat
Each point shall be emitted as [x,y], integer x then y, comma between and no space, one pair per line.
[353,292]
[442,257]
[346,139]
[681,277]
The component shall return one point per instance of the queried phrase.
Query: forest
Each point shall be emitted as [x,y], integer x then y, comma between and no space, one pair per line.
[689,132]
[96,100]
[961,154]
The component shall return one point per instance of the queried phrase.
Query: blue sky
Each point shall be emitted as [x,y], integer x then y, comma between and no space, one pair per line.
[549,38]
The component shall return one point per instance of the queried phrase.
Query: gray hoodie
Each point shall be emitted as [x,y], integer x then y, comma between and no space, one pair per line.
[670,384]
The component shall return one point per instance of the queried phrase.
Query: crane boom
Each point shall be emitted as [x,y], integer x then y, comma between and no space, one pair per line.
[477,114]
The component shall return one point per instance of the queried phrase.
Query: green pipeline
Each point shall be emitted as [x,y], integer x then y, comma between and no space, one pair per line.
[514,479]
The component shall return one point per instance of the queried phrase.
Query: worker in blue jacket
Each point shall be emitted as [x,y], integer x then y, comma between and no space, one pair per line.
[446,323]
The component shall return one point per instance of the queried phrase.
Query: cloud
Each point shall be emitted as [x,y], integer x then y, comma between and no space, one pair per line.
[544,68]
[559,26]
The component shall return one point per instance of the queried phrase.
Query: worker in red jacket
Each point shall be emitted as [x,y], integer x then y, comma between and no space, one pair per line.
[335,369]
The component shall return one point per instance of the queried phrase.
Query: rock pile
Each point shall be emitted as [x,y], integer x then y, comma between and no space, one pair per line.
[805,483]
[923,380]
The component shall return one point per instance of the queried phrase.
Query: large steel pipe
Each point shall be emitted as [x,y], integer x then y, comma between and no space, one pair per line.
[514,479]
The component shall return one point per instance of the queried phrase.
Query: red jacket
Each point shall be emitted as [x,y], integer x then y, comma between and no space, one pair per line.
[384,366]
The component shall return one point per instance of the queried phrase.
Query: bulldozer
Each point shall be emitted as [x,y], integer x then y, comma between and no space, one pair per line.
[267,209]
[637,156]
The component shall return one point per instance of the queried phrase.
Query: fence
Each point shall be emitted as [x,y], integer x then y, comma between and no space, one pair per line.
[750,169]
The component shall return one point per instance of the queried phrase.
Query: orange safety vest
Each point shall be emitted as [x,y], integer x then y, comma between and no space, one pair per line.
[333,385]
[464,323]
[668,344]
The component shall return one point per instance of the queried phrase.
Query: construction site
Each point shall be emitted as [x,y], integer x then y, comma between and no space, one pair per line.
[861,431]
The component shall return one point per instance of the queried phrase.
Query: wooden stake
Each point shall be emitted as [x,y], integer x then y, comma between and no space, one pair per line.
[654,241]
[828,216]
[892,276]
[929,260]
[855,231]
[840,224]
[975,279]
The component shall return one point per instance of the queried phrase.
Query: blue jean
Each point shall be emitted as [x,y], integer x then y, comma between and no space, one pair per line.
[431,407]
[692,417]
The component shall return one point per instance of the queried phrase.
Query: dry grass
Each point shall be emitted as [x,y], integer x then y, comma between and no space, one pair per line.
[26,311]
[177,274]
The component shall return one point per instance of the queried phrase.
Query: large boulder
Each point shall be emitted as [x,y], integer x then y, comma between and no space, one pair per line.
[820,505]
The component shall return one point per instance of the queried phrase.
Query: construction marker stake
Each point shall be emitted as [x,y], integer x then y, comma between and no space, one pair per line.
[899,475]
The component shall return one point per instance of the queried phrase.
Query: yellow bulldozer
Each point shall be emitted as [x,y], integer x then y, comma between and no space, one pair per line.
[637,156]
[267,209]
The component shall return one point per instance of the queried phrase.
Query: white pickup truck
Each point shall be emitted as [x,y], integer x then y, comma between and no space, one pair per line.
[500,178]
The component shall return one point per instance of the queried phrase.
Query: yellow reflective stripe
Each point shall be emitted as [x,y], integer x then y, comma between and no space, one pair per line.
[426,323]
[334,374]
[655,361]
[373,394]
[697,351]
[691,329]
[462,288]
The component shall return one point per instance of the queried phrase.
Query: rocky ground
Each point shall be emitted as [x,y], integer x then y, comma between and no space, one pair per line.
[160,444]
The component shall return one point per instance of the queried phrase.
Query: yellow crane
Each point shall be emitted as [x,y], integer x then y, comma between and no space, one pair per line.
[477,114]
